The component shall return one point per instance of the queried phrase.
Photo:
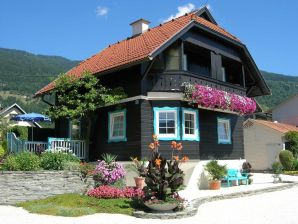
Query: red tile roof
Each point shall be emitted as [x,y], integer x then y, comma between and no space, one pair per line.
[280,127]
[138,48]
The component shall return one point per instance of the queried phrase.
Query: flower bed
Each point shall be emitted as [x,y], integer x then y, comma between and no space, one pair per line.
[218,99]
[109,192]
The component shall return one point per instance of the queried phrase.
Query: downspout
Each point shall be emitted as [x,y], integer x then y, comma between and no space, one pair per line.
[45,101]
[146,74]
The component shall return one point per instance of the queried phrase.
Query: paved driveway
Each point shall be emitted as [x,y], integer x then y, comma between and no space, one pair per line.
[275,208]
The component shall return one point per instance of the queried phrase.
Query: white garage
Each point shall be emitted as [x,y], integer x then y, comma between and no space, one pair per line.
[263,141]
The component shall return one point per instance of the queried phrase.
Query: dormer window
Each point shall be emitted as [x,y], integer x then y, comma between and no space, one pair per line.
[232,71]
[197,60]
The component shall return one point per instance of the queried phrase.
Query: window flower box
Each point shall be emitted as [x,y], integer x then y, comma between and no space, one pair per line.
[211,98]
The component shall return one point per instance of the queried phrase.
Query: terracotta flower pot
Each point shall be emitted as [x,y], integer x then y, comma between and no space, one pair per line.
[214,184]
[140,182]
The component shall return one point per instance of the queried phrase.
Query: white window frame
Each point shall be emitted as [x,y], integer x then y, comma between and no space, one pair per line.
[224,141]
[111,118]
[175,110]
[195,136]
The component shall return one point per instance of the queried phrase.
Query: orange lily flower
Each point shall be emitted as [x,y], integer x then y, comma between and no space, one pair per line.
[184,159]
[174,145]
[179,146]
[158,162]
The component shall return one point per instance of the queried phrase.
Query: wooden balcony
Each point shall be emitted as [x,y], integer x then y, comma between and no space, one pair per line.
[172,81]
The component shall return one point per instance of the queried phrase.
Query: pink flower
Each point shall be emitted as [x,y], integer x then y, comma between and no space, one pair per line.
[108,192]
[213,98]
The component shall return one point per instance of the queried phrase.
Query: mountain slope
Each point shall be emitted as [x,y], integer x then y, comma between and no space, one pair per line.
[23,73]
[282,87]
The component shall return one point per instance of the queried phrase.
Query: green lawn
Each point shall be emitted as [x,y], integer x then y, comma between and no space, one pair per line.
[73,205]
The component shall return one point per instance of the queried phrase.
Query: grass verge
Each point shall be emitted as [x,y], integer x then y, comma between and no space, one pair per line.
[73,205]
[293,172]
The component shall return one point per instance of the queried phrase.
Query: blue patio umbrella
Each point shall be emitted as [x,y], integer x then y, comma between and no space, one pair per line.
[31,117]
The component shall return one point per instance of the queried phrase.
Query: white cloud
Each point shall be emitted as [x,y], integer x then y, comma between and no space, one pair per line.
[181,11]
[101,11]
[209,7]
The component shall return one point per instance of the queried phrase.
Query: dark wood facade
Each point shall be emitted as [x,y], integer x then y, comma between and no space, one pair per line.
[140,129]
[197,57]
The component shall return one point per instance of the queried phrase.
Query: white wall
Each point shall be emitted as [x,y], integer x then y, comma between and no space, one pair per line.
[17,123]
[262,146]
[287,112]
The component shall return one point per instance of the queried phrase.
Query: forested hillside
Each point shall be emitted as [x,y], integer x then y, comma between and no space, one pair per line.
[23,73]
[282,87]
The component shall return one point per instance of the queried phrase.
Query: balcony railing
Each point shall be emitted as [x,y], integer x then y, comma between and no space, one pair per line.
[172,81]
[77,147]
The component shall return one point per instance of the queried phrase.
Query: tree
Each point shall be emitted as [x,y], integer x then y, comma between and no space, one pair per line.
[292,138]
[80,97]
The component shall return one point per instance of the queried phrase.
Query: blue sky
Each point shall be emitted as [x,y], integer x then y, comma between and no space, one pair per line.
[77,29]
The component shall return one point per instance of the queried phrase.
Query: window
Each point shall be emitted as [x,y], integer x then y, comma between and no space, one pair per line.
[232,71]
[190,125]
[223,73]
[197,60]
[75,129]
[223,131]
[117,126]
[166,123]
[172,57]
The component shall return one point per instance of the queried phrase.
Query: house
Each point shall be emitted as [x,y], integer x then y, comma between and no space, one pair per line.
[151,66]
[13,110]
[263,141]
[287,111]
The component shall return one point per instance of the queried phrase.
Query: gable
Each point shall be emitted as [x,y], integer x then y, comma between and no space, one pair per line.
[205,14]
[145,47]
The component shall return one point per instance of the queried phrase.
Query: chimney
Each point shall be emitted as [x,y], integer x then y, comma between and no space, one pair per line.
[140,26]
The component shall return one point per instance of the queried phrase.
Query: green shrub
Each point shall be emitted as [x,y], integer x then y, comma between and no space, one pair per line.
[71,166]
[25,161]
[277,168]
[56,160]
[11,163]
[293,172]
[20,131]
[2,151]
[292,138]
[295,165]
[4,145]
[286,158]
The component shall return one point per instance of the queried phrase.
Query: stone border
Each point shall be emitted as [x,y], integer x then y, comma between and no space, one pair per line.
[193,206]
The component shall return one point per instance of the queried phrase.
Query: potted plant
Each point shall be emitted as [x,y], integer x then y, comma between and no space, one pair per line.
[216,173]
[164,179]
[139,167]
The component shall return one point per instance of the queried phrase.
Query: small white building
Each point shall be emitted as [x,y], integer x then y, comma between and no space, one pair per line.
[287,111]
[13,110]
[263,141]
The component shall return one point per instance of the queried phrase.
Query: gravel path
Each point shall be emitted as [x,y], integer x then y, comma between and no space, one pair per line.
[274,208]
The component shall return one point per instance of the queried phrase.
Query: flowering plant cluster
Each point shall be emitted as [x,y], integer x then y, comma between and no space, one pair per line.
[109,192]
[213,98]
[108,171]
[164,178]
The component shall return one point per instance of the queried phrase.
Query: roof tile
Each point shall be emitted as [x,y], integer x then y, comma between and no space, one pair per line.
[137,48]
[280,127]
